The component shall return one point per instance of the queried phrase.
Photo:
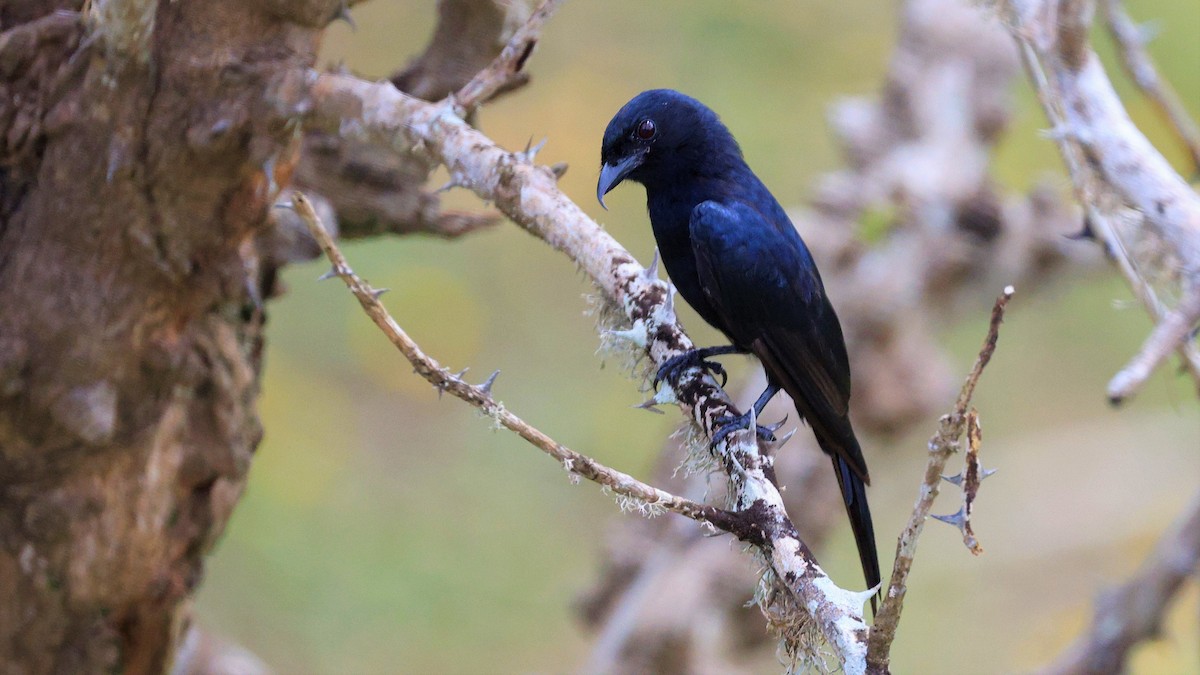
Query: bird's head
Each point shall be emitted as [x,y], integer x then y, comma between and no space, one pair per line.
[658,135]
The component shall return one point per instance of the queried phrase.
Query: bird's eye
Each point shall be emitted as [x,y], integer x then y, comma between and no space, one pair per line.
[645,130]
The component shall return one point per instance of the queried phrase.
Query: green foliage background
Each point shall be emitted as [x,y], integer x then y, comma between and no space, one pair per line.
[385,530]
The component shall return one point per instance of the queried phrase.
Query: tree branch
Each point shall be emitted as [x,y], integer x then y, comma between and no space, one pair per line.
[527,193]
[1133,612]
[1106,155]
[943,444]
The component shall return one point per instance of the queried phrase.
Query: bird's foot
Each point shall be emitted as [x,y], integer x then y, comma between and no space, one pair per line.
[730,423]
[674,367]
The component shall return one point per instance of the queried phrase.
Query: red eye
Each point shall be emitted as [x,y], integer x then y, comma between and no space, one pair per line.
[645,130]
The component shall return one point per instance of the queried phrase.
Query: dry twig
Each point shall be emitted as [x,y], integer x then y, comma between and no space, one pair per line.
[943,444]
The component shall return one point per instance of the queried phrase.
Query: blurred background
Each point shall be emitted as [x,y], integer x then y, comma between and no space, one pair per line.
[387,530]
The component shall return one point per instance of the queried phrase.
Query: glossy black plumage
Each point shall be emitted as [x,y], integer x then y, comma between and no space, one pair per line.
[732,252]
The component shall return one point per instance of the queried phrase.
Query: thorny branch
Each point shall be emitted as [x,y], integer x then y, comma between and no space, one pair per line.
[969,480]
[943,444]
[1133,612]
[1107,155]
[648,497]
[529,195]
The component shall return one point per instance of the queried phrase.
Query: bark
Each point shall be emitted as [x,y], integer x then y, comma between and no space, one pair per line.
[139,159]
[142,144]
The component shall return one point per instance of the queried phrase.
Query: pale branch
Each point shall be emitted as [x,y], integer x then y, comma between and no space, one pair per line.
[942,445]
[1131,44]
[1133,612]
[528,194]
[1106,154]
[1173,330]
[505,68]
[480,395]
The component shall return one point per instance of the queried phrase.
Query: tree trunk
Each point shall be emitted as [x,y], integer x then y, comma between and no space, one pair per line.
[140,149]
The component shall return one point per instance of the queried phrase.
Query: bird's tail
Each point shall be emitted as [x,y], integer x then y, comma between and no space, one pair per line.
[854,494]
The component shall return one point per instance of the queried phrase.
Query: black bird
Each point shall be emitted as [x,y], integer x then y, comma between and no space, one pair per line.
[737,260]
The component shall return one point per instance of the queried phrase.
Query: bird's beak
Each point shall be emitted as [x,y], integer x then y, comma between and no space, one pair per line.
[611,175]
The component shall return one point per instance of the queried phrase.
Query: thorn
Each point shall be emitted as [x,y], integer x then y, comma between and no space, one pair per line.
[329,274]
[1063,132]
[786,437]
[1085,234]
[753,426]
[376,292]
[649,404]
[957,519]
[343,13]
[987,472]
[559,169]
[651,272]
[775,427]
[456,180]
[861,598]
[456,377]
[669,303]
[531,152]
[636,334]
[957,478]
[486,387]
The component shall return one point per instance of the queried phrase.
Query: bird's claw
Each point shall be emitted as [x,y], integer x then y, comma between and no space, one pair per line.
[674,367]
[730,423]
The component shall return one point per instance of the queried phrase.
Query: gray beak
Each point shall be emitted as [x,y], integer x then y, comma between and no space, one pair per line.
[611,175]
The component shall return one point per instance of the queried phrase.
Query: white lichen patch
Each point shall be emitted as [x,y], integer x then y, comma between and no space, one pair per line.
[621,342]
[698,458]
[629,504]
[496,412]
[801,647]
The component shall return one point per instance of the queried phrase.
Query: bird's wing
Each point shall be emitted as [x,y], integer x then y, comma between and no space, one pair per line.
[760,278]
[764,284]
